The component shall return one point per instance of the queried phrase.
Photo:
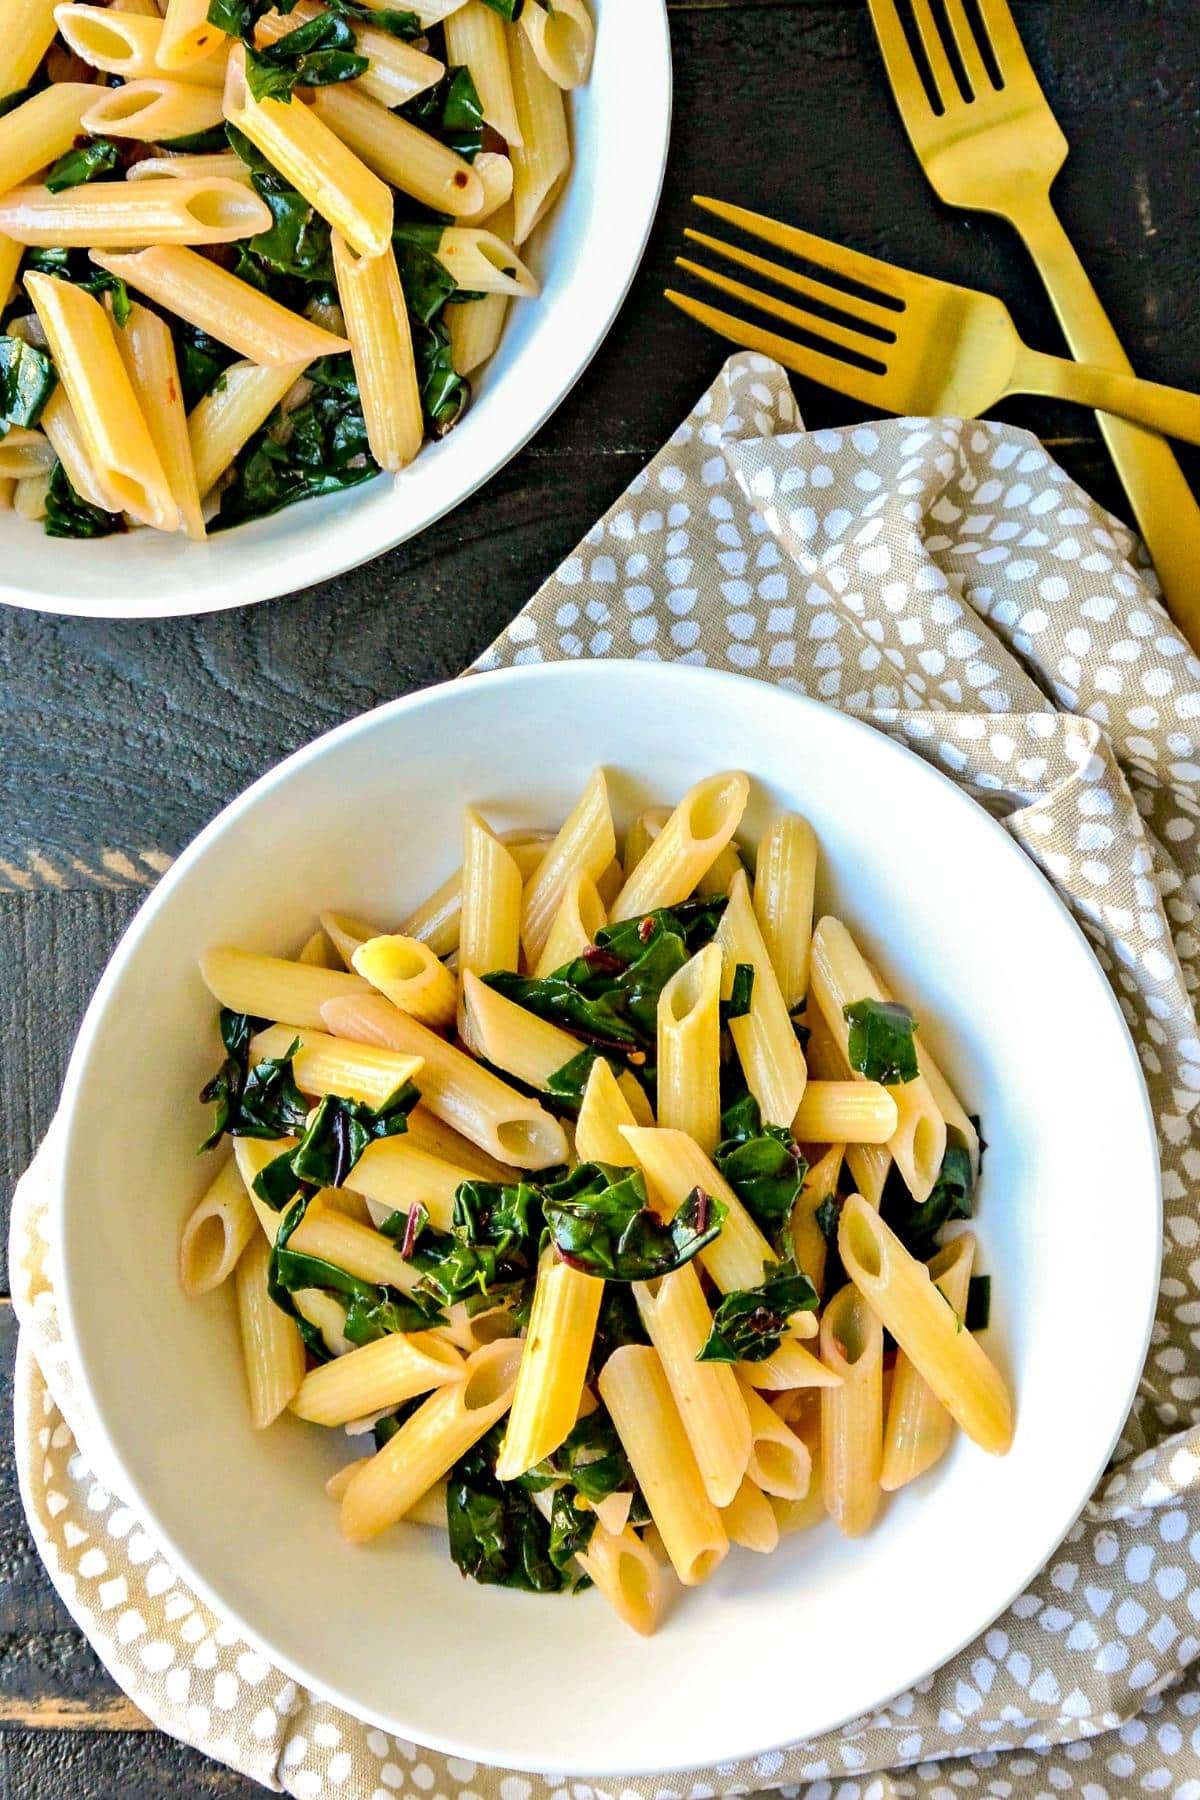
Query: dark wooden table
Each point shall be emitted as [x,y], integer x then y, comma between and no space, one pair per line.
[118,741]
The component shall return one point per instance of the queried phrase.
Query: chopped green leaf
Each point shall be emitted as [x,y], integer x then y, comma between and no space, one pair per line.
[445,395]
[27,380]
[570,1531]
[196,143]
[741,994]
[69,515]
[318,448]
[762,1164]
[601,1222]
[508,9]
[497,1535]
[979,1303]
[619,1323]
[224,1089]
[373,1310]
[450,110]
[271,1105]
[828,1216]
[96,157]
[396,21]
[591,1457]
[917,1227]
[74,266]
[492,1244]
[317,54]
[341,1130]
[426,282]
[749,1323]
[881,1041]
[567,1084]
[202,361]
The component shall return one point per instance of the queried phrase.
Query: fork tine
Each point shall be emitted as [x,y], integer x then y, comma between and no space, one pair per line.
[1012,58]
[857,341]
[902,71]
[855,265]
[850,304]
[847,379]
[944,79]
[978,78]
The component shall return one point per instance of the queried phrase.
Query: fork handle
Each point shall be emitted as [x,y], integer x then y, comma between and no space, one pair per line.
[1166,511]
[1170,410]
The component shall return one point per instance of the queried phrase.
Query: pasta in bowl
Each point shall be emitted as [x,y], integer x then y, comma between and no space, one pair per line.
[565,1311]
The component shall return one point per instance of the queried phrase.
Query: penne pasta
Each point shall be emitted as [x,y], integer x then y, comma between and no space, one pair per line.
[400,152]
[845,1112]
[641,834]
[513,1039]
[10,261]
[490,921]
[562,37]
[689,1049]
[808,1240]
[482,263]
[688,844]
[222,163]
[148,353]
[397,71]
[27,35]
[154,111]
[674,1166]
[188,36]
[252,1155]
[381,347]
[869,1164]
[269,987]
[918,1429]
[476,39]
[763,1036]
[427,1132]
[475,330]
[410,976]
[272,1350]
[750,1520]
[346,934]
[115,215]
[852,1412]
[624,1570]
[558,1345]
[541,155]
[789,1367]
[324,1311]
[586,841]
[804,1417]
[123,42]
[495,172]
[24,454]
[29,496]
[436,921]
[333,1065]
[784,879]
[579,917]
[711,1405]
[41,129]
[225,419]
[779,1460]
[716,879]
[602,1112]
[326,1233]
[62,428]
[217,1230]
[383,1374]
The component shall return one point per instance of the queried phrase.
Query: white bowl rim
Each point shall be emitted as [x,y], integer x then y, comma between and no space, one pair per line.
[72,1168]
[290,573]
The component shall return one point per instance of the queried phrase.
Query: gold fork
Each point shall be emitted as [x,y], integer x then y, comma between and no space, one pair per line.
[916,345]
[998,151]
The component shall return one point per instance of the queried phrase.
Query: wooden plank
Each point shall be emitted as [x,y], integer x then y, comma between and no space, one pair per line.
[54,1714]
[112,1766]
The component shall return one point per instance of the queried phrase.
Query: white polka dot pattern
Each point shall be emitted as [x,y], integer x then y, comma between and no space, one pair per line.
[947,582]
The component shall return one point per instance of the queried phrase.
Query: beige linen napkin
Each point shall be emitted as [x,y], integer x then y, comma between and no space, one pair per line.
[948,583]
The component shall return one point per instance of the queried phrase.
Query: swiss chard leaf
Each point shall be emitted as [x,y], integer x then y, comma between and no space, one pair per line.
[373,1310]
[73,266]
[341,1130]
[570,1532]
[979,1303]
[508,9]
[224,1089]
[98,156]
[427,284]
[591,1458]
[196,143]
[762,1164]
[320,448]
[601,1222]
[297,244]
[882,1043]
[741,993]
[445,395]
[390,1311]
[27,380]
[202,361]
[396,21]
[749,1324]
[619,1323]
[567,1084]
[317,54]
[497,1535]
[560,997]
[450,110]
[271,1105]
[69,515]
[492,1244]
[917,1227]
[239,17]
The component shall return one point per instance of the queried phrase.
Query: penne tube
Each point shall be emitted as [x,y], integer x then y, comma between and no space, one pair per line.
[611,882]
[29,496]
[410,976]
[634,1387]
[430,1442]
[959,1124]
[840,977]
[750,1520]
[845,1112]
[513,1039]
[489,930]
[918,1429]
[586,841]
[333,1065]
[689,1049]
[359,1249]
[115,434]
[674,1165]
[120,41]
[251,1155]
[351,1205]
[579,917]
[557,1349]
[318,953]
[400,152]
[869,1164]
[482,263]
[430,12]
[398,1175]
[562,37]
[928,1330]
[711,1405]
[10,261]
[427,1132]
[381,347]
[541,155]
[764,1037]
[154,111]
[223,421]
[495,172]
[624,1570]
[779,1460]
[476,327]
[507,1125]
[8,488]
[41,129]
[327,1314]
[272,1350]
[148,353]
[808,1240]
[476,39]
[62,428]
[188,37]
[341,1478]
[346,933]
[394,1368]
[852,1412]
[688,844]
[115,215]
[602,1111]
[641,834]
[472,1330]
[217,1230]
[27,35]
[784,877]
[24,453]
[223,163]
[397,71]
[228,309]
[803,1412]
[298,142]
[269,987]
[790,1366]
[716,879]
[436,921]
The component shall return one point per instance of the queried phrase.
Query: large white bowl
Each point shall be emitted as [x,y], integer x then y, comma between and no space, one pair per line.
[585,257]
[776,1647]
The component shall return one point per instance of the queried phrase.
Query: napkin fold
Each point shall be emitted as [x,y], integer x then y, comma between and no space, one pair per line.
[947,582]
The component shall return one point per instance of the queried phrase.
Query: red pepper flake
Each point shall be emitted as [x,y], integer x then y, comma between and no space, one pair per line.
[646,928]
[412,1227]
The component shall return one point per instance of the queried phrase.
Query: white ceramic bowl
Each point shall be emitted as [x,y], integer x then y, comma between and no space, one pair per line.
[775,1647]
[586,258]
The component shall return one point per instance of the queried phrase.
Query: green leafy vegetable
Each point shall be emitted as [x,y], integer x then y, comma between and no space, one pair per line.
[450,110]
[591,1457]
[570,1531]
[445,395]
[74,266]
[341,1130]
[881,1041]
[508,9]
[567,1084]
[828,1216]
[27,380]
[373,1310]
[318,448]
[497,1535]
[741,993]
[18,97]
[601,1222]
[427,284]
[317,54]
[202,361]
[492,1244]
[761,1163]
[917,1227]
[619,1323]
[69,515]
[749,1323]
[396,21]
[271,1105]
[239,17]
[197,143]
[979,1303]
[297,244]
[97,157]
[224,1089]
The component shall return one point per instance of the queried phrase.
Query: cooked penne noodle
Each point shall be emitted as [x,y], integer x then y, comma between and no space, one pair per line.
[29,496]
[358,1249]
[749,1519]
[381,347]
[394,1368]
[154,111]
[840,977]
[602,1111]
[852,1412]
[545,1405]
[341,1478]
[586,841]
[804,1417]
[148,352]
[541,155]
[808,1240]
[269,987]
[430,1442]
[10,261]
[674,1166]
[790,1366]
[397,71]
[959,1125]
[689,1049]
[410,976]
[318,953]
[930,1332]
[217,1230]
[918,1428]
[869,1164]
[436,920]
[188,38]
[224,164]
[272,1350]
[115,434]
[427,1132]
[125,42]
[845,1112]
[476,39]
[626,1573]
[27,34]
[475,330]
[41,129]
[510,1127]
[228,309]
[495,171]
[562,37]
[115,215]
[711,1405]
[7,488]
[482,263]
[513,1039]
[716,879]
[62,428]
[346,933]
[489,933]
[252,1156]
[24,453]
[641,834]
[300,144]
[351,1205]
[688,844]
[634,1387]
[319,1308]
[430,12]
[779,1461]
[334,1065]
[784,877]
[400,152]
[225,419]
[579,917]
[764,1037]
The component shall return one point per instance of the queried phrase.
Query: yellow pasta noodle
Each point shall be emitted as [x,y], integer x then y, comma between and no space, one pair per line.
[562,1324]
[481,262]
[779,1460]
[602,1111]
[710,1402]
[393,1369]
[852,1412]
[118,215]
[269,987]
[271,1345]
[688,844]
[397,72]
[62,428]
[404,155]
[845,1112]
[376,316]
[188,36]
[868,1163]
[674,1166]
[436,921]
[542,154]
[396,1173]
[41,129]
[764,1037]
[562,37]
[749,1519]
[579,917]
[784,878]
[224,420]
[475,328]
[148,352]
[333,1065]
[586,841]
[26,35]
[689,1049]
[490,922]
[217,1230]
[476,39]
[410,976]
[808,1240]
[918,1428]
